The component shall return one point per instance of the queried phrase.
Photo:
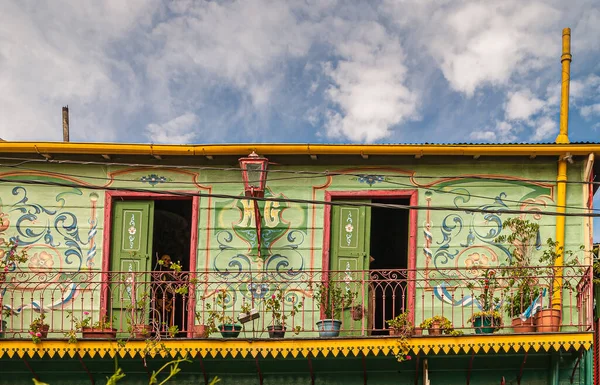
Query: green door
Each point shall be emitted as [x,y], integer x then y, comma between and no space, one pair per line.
[349,256]
[131,253]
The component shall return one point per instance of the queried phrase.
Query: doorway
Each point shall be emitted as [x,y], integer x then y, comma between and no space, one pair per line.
[383,248]
[170,244]
[388,252]
[149,234]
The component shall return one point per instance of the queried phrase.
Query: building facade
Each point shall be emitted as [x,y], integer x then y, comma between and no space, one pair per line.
[163,243]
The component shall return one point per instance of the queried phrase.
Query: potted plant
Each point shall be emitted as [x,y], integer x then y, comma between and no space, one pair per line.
[437,325]
[489,319]
[227,326]
[101,329]
[275,304]
[248,313]
[10,257]
[521,288]
[400,325]
[548,318]
[137,320]
[38,329]
[332,299]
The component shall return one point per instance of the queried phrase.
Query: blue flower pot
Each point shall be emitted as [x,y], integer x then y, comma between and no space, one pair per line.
[329,327]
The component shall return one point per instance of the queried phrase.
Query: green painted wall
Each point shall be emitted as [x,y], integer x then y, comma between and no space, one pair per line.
[63,227]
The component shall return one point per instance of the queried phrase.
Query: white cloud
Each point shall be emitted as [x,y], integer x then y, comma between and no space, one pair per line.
[482,43]
[368,90]
[55,54]
[180,130]
[521,105]
[545,128]
[591,110]
[502,132]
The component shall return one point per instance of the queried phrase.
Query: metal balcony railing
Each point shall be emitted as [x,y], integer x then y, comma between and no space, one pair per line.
[176,304]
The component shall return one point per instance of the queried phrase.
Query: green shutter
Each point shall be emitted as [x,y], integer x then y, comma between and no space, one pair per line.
[349,256]
[131,251]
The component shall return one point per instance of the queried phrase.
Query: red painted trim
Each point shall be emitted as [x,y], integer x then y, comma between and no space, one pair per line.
[109,197]
[193,255]
[413,196]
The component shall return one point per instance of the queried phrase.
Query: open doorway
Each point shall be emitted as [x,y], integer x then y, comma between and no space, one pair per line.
[388,251]
[171,244]
[148,234]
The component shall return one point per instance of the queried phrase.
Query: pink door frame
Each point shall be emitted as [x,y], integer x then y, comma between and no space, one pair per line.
[109,197]
[413,197]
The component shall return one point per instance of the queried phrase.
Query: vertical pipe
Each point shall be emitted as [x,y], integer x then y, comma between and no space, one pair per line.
[565,60]
[561,178]
[65,122]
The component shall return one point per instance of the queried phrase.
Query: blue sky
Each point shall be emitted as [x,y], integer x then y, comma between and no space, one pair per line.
[297,70]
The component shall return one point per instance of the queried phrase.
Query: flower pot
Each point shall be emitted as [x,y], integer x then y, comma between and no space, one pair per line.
[548,320]
[276,331]
[329,327]
[434,329]
[485,325]
[246,317]
[520,326]
[230,330]
[4,326]
[200,331]
[99,333]
[141,331]
[44,331]
[417,332]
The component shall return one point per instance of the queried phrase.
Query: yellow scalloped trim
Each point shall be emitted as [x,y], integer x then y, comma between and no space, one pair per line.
[304,347]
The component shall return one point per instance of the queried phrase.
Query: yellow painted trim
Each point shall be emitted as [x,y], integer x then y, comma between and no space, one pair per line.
[303,347]
[296,149]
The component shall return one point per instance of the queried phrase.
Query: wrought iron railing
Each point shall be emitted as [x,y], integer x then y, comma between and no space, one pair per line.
[176,304]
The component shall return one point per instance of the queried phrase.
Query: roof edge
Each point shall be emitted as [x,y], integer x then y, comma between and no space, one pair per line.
[297,149]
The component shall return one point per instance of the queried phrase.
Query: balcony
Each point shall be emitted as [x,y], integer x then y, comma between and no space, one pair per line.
[170,304]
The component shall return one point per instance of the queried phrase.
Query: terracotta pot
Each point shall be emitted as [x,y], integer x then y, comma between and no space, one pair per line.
[142,331]
[548,320]
[92,333]
[435,329]
[200,331]
[417,332]
[44,331]
[520,326]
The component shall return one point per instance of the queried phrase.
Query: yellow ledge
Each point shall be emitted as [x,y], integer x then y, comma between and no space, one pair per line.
[300,347]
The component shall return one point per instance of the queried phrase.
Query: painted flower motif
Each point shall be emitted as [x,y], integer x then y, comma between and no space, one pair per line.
[132,230]
[476,261]
[42,260]
[4,222]
[371,179]
[349,228]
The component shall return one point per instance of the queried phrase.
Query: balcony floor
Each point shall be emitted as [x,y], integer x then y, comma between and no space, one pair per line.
[303,347]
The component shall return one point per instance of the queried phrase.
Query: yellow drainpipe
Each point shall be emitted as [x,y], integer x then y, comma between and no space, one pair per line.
[561,177]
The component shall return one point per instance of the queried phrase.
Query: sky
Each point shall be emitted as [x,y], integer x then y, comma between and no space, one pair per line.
[319,71]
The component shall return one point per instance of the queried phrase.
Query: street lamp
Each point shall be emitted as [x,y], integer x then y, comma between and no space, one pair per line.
[254,175]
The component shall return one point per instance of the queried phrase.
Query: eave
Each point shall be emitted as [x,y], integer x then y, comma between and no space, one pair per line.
[313,150]
[292,348]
